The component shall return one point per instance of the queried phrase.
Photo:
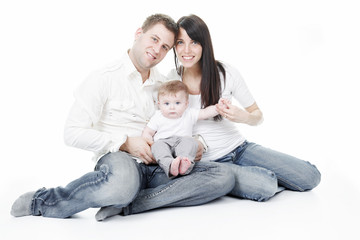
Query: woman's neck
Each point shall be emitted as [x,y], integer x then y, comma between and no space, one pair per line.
[192,78]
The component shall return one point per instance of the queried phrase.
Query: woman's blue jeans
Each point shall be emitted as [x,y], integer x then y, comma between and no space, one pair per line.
[261,172]
[117,180]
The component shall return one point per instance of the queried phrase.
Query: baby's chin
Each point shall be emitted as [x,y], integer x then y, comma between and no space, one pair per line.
[172,115]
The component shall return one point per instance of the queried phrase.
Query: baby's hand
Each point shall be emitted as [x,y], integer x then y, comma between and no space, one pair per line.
[223,102]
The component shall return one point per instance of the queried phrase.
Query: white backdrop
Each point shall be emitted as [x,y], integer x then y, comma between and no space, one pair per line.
[300,60]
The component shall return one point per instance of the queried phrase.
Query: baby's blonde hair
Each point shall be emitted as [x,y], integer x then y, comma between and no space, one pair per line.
[173,87]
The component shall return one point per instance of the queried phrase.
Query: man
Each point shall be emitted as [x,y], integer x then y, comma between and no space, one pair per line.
[111,109]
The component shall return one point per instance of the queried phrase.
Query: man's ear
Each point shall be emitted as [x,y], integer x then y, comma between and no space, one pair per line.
[138,33]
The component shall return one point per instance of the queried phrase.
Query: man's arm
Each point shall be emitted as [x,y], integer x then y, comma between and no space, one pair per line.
[79,133]
[90,98]
[139,147]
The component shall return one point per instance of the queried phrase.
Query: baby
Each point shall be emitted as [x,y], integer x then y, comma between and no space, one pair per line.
[174,149]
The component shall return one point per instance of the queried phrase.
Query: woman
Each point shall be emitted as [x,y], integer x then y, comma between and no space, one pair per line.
[260,172]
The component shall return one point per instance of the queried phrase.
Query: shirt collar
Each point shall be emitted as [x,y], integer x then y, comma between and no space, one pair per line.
[154,77]
[128,64]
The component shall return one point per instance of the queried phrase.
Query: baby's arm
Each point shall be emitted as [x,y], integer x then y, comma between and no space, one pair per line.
[148,133]
[207,112]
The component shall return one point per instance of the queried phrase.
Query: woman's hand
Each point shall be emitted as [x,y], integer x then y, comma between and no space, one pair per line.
[199,151]
[251,115]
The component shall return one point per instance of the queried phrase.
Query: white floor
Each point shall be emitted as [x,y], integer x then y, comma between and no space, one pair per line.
[300,60]
[331,210]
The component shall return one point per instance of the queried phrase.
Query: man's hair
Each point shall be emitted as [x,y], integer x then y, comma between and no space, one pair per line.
[173,87]
[166,20]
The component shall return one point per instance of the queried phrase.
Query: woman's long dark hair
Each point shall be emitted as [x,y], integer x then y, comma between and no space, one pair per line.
[210,87]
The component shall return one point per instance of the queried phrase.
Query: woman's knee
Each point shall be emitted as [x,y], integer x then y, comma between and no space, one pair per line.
[310,178]
[254,183]
[315,177]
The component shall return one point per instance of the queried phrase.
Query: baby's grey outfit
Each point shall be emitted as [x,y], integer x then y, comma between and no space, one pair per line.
[167,149]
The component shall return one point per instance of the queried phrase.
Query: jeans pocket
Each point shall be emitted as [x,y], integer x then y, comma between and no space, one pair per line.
[228,158]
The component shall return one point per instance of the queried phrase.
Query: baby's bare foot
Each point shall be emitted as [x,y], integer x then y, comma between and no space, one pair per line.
[174,168]
[184,165]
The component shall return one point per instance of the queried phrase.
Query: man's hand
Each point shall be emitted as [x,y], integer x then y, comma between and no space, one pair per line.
[139,147]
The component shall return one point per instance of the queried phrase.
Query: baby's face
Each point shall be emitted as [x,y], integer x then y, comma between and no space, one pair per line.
[173,105]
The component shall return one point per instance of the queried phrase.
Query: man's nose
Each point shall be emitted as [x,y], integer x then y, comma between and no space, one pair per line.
[156,48]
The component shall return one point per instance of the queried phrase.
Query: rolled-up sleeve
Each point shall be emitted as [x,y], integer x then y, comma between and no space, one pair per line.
[236,86]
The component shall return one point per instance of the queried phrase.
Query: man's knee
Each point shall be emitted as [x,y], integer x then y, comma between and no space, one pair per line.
[122,177]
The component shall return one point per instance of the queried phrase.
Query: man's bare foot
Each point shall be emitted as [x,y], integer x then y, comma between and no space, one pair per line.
[184,165]
[174,168]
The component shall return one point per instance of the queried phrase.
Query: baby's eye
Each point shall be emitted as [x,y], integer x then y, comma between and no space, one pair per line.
[177,103]
[166,103]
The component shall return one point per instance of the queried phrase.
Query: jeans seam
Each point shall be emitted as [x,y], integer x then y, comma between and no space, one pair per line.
[74,191]
[149,196]
[176,181]
[289,183]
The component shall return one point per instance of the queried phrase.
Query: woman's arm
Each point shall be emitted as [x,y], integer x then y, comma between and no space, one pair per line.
[251,115]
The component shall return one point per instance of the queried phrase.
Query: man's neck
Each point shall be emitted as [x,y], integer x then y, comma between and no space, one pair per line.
[145,76]
[145,73]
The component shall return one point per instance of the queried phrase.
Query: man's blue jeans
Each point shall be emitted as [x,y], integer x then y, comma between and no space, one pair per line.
[118,180]
[261,172]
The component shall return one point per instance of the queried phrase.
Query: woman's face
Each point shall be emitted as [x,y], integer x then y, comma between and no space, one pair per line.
[188,51]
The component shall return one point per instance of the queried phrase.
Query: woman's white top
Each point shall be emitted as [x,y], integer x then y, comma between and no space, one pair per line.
[221,136]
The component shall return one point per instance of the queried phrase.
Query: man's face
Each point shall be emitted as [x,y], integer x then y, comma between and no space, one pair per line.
[151,47]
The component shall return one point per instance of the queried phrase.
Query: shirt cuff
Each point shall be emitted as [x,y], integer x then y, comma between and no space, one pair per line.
[115,147]
[202,140]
